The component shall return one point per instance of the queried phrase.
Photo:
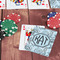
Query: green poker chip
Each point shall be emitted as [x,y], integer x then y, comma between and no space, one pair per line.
[9,27]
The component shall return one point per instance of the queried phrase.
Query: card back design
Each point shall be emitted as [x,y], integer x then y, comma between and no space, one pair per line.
[55,3]
[41,41]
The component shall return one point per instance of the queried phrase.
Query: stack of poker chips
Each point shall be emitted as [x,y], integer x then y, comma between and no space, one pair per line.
[8,26]
[53,20]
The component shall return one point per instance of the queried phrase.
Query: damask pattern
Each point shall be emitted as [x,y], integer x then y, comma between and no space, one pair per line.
[55,3]
[41,41]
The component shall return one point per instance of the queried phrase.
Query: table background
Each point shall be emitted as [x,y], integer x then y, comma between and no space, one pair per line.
[10,45]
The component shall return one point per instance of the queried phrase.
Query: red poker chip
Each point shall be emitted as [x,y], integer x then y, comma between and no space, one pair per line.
[4,18]
[15,17]
[54,22]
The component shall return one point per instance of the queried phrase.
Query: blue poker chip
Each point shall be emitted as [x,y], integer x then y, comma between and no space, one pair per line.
[51,14]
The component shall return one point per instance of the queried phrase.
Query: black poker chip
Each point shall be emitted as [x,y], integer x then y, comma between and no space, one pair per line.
[2,34]
[0,22]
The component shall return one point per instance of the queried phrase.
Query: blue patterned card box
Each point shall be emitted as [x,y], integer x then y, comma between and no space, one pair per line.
[41,41]
[55,3]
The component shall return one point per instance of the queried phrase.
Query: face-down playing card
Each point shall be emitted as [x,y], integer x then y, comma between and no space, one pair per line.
[41,41]
[25,34]
[16,4]
[55,3]
[38,4]
[2,4]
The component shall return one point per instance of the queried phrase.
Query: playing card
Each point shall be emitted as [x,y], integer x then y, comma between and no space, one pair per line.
[41,41]
[16,4]
[25,34]
[2,4]
[38,4]
[55,3]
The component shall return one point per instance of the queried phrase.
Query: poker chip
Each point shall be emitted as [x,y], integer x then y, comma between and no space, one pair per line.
[0,24]
[2,34]
[51,14]
[9,27]
[54,22]
[4,18]
[13,16]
